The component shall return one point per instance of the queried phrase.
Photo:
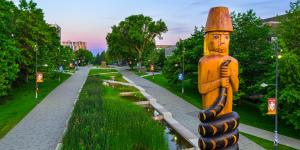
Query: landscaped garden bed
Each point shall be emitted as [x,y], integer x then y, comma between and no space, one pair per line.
[103,120]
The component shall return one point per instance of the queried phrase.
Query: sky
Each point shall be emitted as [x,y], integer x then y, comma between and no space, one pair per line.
[91,20]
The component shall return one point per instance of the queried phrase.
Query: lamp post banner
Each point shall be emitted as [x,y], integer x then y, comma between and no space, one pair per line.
[39,77]
[272,106]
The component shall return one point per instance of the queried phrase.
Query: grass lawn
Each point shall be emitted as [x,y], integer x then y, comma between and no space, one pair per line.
[190,92]
[22,100]
[265,143]
[109,76]
[103,120]
[141,73]
[97,71]
[249,113]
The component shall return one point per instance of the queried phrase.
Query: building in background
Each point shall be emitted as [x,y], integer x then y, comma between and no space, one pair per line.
[75,45]
[168,49]
[58,28]
[273,22]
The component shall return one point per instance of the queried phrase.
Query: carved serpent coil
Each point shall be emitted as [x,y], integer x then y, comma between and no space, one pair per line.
[218,132]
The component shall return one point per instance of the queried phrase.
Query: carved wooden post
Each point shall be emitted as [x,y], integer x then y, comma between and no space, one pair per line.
[217,80]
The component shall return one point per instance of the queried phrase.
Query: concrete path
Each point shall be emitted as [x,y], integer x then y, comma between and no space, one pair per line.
[43,127]
[151,74]
[181,110]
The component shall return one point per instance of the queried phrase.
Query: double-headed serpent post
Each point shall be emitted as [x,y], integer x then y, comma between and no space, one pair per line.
[218,132]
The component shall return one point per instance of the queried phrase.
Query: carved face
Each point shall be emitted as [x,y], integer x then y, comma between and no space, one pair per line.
[218,42]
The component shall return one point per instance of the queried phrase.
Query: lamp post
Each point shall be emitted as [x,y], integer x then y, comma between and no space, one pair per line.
[36,84]
[182,83]
[276,140]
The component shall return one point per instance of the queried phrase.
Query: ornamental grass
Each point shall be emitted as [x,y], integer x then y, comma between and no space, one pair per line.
[103,120]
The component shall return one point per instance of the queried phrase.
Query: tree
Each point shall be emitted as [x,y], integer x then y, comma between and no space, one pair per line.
[84,57]
[289,68]
[136,33]
[289,29]
[25,38]
[193,47]
[36,41]
[9,54]
[250,46]
[155,57]
[65,55]
[99,58]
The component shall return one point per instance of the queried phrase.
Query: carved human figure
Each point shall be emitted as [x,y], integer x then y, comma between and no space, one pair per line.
[211,74]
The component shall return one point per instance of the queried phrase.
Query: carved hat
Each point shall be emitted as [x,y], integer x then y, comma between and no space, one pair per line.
[218,20]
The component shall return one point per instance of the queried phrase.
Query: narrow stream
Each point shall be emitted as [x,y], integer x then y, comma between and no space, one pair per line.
[175,140]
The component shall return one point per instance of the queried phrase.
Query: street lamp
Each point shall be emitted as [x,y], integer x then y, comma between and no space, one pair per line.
[36,84]
[276,140]
[182,85]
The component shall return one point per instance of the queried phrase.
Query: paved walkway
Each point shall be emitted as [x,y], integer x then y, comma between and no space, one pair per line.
[186,113]
[43,127]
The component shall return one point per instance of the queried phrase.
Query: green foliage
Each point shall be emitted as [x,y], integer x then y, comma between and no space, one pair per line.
[156,57]
[99,58]
[289,68]
[84,57]
[133,36]
[193,52]
[9,54]
[36,40]
[26,38]
[103,120]
[98,71]
[107,74]
[289,28]
[250,46]
[64,56]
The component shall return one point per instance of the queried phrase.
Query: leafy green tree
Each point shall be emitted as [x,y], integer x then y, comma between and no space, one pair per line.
[289,29]
[99,58]
[155,57]
[84,57]
[193,51]
[25,38]
[289,68]
[136,33]
[65,56]
[9,54]
[250,46]
[36,40]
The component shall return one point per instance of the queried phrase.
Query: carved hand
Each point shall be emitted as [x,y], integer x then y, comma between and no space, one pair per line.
[225,82]
[225,72]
